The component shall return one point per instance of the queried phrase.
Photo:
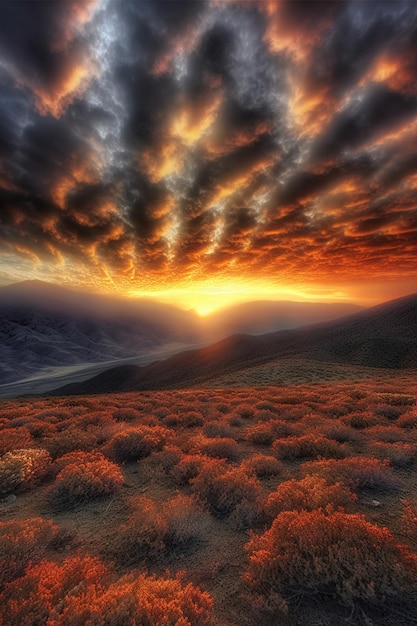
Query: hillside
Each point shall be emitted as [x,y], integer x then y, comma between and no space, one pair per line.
[384,336]
[46,326]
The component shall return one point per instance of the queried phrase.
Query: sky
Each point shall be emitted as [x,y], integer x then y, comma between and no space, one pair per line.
[205,153]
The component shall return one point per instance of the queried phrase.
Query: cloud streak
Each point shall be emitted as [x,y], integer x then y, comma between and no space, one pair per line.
[150,144]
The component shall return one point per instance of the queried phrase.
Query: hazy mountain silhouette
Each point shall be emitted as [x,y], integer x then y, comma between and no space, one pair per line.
[45,325]
[382,336]
[265,316]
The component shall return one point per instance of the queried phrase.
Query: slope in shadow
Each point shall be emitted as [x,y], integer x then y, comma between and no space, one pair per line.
[383,336]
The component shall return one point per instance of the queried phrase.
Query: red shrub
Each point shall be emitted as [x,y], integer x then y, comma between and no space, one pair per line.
[223,488]
[221,448]
[85,479]
[262,465]
[357,472]
[20,469]
[338,554]
[312,492]
[21,543]
[84,591]
[308,447]
[15,439]
[136,443]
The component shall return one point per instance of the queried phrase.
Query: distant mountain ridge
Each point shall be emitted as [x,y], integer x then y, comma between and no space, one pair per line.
[43,325]
[47,326]
[382,336]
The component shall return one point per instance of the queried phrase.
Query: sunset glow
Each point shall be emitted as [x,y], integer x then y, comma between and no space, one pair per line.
[209,153]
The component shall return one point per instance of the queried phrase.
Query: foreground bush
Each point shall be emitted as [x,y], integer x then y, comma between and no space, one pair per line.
[22,542]
[84,591]
[154,531]
[223,488]
[332,554]
[136,443]
[20,469]
[312,492]
[85,479]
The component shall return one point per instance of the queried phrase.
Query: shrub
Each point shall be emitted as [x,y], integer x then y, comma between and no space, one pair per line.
[126,415]
[217,429]
[20,469]
[84,480]
[262,465]
[312,492]
[84,591]
[399,455]
[153,530]
[22,542]
[260,434]
[14,439]
[223,488]
[188,468]
[136,443]
[70,440]
[338,554]
[357,472]
[221,448]
[143,536]
[141,600]
[308,447]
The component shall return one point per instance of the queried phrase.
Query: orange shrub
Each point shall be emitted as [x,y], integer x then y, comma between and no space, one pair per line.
[127,415]
[21,543]
[188,467]
[84,480]
[357,472]
[312,492]
[83,591]
[308,447]
[260,434]
[221,448]
[69,440]
[154,530]
[223,487]
[20,469]
[262,465]
[15,439]
[338,554]
[136,443]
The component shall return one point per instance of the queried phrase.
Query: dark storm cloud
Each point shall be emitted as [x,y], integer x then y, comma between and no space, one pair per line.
[189,138]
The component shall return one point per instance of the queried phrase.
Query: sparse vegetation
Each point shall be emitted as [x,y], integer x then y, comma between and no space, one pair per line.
[177,481]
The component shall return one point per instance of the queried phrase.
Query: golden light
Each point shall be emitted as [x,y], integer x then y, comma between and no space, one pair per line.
[209,297]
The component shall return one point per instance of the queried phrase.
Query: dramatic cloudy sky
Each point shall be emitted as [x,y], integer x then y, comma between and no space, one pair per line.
[176,147]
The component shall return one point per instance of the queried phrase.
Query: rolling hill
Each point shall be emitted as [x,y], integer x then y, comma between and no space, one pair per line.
[384,336]
[44,326]
[47,327]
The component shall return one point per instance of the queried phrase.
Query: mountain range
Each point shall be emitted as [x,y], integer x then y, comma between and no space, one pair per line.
[384,336]
[44,326]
